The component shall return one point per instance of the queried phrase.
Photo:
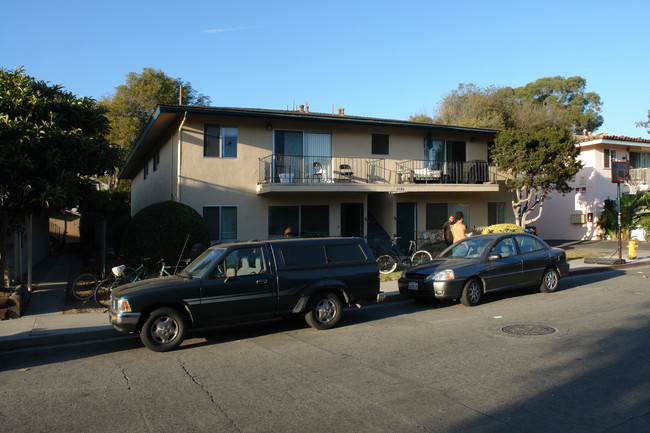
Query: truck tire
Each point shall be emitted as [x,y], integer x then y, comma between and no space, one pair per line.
[325,310]
[163,330]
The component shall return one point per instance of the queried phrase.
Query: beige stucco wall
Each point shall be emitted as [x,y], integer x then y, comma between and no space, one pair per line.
[212,181]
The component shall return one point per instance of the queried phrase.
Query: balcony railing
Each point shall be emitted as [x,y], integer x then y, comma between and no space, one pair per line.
[640,175]
[328,169]
[321,169]
[423,171]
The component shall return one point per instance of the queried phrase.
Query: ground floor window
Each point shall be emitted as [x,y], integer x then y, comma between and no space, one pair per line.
[221,221]
[496,212]
[304,221]
[437,214]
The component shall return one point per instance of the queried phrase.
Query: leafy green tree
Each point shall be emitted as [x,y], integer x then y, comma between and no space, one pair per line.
[536,163]
[472,106]
[53,147]
[548,102]
[564,98]
[133,103]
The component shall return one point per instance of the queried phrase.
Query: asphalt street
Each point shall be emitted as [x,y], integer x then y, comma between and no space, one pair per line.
[571,361]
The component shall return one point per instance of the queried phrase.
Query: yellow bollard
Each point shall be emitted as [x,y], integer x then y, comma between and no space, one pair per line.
[631,250]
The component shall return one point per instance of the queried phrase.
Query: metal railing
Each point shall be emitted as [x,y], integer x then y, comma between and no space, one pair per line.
[423,171]
[640,175]
[329,169]
[321,169]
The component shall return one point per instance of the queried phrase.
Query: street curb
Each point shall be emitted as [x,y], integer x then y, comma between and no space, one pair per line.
[603,268]
[108,333]
[64,338]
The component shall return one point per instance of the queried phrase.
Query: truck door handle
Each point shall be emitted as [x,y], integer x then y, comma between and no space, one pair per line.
[261,282]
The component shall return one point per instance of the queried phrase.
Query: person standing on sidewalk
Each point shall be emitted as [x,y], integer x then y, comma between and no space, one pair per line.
[459,228]
[447,236]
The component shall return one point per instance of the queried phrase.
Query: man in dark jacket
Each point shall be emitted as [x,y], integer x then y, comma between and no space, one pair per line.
[446,231]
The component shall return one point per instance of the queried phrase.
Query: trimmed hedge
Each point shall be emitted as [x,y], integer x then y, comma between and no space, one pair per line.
[503,228]
[160,230]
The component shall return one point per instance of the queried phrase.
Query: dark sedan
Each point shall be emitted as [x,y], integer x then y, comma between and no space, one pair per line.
[478,265]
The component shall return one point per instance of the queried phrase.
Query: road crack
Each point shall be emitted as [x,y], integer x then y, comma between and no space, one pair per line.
[128,381]
[214,402]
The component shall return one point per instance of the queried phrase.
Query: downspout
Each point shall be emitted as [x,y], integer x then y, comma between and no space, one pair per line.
[178,159]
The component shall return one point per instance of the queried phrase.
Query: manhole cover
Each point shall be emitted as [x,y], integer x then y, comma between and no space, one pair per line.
[528,329]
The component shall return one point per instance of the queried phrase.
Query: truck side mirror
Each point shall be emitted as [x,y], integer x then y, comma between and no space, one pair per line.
[230,273]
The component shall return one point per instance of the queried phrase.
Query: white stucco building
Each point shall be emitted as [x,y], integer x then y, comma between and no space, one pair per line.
[574,216]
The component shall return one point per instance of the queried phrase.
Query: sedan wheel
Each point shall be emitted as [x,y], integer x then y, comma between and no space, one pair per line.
[472,293]
[549,281]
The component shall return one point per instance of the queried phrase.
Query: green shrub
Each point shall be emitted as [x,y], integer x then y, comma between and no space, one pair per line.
[160,230]
[503,228]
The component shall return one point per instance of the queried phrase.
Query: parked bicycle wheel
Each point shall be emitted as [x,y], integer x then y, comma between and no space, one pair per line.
[387,264]
[103,292]
[83,286]
[130,275]
[420,256]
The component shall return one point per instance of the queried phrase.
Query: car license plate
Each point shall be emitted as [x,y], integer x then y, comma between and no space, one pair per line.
[413,285]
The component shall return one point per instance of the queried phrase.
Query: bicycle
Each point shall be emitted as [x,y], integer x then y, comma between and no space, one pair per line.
[84,285]
[388,261]
[165,270]
[120,275]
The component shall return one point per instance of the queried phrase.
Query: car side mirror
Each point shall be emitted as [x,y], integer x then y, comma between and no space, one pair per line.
[230,273]
[494,257]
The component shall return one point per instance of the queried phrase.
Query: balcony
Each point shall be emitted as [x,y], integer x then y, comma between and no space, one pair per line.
[640,177]
[281,173]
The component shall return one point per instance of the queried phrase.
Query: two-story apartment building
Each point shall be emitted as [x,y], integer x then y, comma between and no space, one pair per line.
[574,216]
[256,174]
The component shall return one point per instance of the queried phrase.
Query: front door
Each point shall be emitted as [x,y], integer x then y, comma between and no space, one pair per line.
[506,271]
[405,224]
[352,219]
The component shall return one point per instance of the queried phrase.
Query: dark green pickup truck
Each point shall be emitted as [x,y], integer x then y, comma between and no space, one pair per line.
[247,281]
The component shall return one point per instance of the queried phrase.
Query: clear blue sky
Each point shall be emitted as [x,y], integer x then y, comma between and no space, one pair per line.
[375,58]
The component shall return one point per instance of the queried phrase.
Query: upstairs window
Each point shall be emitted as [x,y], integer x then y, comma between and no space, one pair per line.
[145,171]
[219,141]
[380,144]
[609,156]
[156,161]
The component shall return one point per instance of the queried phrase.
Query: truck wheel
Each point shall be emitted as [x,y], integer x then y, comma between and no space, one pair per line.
[325,311]
[549,281]
[163,330]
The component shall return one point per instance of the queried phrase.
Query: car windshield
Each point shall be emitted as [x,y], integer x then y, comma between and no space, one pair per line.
[469,248]
[202,262]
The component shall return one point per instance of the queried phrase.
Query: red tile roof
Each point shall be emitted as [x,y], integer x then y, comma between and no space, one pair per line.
[606,136]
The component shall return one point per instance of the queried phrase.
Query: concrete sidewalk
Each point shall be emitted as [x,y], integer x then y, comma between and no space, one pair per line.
[44,323]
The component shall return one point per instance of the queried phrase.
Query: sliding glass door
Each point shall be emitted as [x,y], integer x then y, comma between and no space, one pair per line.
[302,156]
